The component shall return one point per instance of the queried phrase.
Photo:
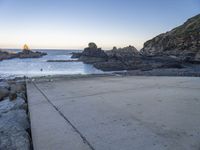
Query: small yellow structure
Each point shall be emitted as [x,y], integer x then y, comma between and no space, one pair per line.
[26,47]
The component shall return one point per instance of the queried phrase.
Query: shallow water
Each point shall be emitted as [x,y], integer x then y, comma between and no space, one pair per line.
[40,67]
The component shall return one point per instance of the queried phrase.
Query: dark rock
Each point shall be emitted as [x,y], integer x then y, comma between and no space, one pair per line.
[139,63]
[30,54]
[24,54]
[120,59]
[92,45]
[4,84]
[17,87]
[13,117]
[13,135]
[7,105]
[92,60]
[12,96]
[93,51]
[6,55]
[63,60]
[76,55]
[171,65]
[4,92]
[197,57]
[22,95]
[92,54]
[123,54]
[129,58]
[110,65]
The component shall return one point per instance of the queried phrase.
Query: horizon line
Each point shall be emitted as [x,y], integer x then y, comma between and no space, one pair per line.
[7,48]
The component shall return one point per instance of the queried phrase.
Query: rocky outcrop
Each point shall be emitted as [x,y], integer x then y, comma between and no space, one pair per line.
[120,59]
[139,63]
[30,54]
[6,55]
[127,58]
[24,54]
[123,54]
[182,42]
[92,54]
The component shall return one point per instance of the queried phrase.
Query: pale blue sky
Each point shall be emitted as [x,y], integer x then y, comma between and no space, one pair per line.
[71,24]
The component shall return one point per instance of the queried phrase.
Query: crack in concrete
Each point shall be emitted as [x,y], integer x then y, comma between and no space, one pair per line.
[65,118]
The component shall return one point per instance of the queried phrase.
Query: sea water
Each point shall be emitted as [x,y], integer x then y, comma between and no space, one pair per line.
[31,67]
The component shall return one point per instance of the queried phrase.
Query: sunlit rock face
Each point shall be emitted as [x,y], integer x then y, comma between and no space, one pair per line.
[27,53]
[25,47]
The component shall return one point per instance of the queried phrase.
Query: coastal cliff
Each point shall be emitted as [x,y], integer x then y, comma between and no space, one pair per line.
[182,42]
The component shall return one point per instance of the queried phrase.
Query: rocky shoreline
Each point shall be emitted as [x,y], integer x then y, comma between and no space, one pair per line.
[24,54]
[14,120]
[128,58]
[178,48]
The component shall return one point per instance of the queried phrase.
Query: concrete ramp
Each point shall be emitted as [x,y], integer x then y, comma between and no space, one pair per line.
[115,113]
[50,130]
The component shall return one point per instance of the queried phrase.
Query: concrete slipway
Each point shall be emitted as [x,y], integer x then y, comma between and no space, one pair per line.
[115,113]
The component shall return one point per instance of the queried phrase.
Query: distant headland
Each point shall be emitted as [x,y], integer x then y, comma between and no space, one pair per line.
[25,53]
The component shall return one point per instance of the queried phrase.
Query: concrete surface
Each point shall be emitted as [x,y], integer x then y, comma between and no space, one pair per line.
[116,113]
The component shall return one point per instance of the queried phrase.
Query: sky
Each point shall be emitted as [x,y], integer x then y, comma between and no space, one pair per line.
[72,24]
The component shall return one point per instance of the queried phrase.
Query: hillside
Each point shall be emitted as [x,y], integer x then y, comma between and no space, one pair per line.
[183,41]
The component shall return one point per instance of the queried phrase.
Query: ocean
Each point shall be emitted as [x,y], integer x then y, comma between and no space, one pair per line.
[31,67]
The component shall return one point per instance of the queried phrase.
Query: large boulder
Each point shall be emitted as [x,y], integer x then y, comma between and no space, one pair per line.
[13,135]
[4,84]
[4,92]
[183,42]
[17,87]
[7,105]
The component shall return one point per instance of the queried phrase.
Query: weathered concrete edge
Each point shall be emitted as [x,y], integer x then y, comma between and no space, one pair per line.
[37,145]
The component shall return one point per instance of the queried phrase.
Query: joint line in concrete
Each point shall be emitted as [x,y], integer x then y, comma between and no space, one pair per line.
[65,118]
